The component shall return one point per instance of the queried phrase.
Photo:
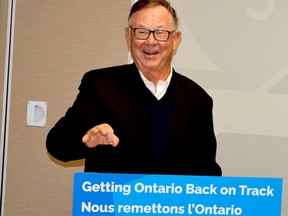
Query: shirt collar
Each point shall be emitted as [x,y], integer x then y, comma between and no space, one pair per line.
[161,88]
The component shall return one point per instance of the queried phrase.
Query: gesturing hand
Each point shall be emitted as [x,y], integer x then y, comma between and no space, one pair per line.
[102,134]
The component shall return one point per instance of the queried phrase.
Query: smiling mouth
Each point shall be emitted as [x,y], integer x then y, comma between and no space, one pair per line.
[150,52]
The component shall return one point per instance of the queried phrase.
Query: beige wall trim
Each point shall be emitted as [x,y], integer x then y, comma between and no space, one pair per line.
[6,98]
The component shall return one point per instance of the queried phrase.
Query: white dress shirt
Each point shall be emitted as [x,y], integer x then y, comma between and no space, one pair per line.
[160,89]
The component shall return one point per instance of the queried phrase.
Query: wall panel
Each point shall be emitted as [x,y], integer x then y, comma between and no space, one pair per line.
[56,42]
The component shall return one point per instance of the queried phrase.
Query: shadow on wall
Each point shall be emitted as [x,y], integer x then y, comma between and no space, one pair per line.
[253,155]
[75,163]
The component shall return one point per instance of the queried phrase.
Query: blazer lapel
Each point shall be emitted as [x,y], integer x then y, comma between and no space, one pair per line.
[131,94]
[180,111]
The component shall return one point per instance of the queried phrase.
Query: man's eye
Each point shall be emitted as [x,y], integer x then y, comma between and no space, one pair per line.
[142,32]
[160,33]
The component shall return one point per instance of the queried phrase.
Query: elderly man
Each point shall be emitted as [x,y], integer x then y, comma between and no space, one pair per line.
[142,117]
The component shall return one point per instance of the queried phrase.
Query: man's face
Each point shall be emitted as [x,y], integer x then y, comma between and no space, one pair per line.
[150,55]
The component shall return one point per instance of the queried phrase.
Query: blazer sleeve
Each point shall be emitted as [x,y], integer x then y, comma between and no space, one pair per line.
[64,140]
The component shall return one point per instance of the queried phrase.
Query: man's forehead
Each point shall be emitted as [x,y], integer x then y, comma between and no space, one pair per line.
[158,16]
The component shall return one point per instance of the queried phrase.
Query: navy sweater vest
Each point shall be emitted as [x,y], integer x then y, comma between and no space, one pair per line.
[159,114]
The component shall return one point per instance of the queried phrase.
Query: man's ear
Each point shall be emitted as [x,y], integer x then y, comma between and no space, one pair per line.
[128,37]
[177,37]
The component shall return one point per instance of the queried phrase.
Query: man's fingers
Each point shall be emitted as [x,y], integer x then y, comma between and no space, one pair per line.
[104,129]
[101,134]
[110,137]
[116,141]
[85,138]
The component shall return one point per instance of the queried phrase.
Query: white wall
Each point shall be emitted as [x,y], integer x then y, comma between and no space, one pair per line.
[238,51]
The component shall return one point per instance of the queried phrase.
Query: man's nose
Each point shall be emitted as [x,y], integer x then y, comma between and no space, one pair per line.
[151,39]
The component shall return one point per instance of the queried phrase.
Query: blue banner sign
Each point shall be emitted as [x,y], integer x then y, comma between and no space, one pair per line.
[133,194]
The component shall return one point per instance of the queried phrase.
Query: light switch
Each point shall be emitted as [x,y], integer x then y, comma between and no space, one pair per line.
[36,113]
